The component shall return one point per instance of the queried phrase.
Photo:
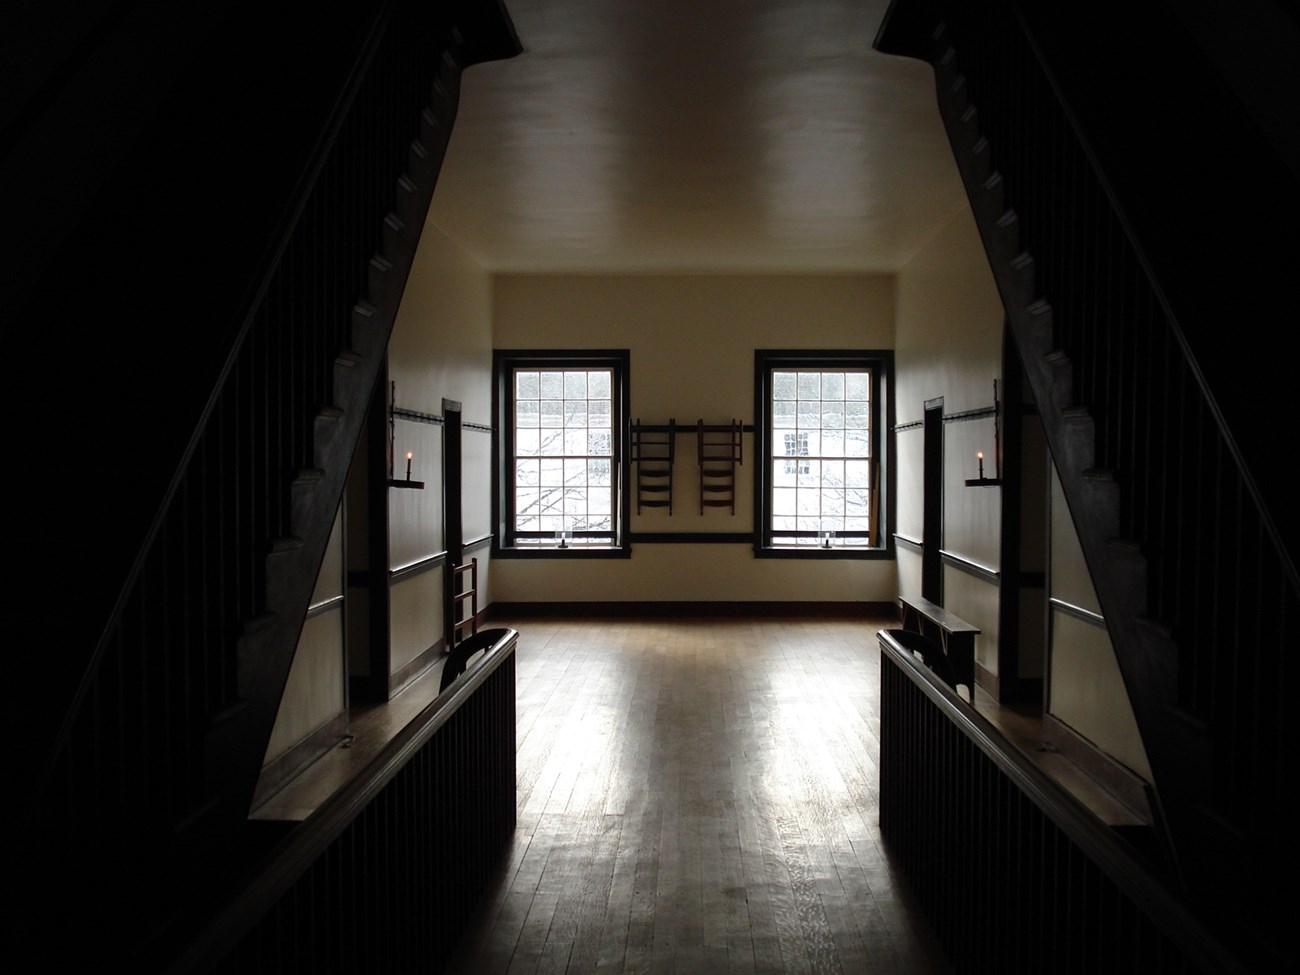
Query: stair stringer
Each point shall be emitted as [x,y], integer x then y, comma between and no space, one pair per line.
[235,741]
[1202,849]
[235,749]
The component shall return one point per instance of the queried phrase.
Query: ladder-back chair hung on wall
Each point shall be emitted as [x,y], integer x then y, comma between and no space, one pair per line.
[719,452]
[653,451]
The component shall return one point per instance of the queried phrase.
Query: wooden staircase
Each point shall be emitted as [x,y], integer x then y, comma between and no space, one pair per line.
[138,822]
[1198,589]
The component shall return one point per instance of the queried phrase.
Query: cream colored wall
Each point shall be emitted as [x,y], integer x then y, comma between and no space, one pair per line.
[691,340]
[949,344]
[1085,688]
[441,348]
[315,691]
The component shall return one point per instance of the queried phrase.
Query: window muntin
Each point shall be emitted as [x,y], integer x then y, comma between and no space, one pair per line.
[563,456]
[819,487]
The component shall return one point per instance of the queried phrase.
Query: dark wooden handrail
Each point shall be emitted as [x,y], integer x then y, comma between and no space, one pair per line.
[272,877]
[931,722]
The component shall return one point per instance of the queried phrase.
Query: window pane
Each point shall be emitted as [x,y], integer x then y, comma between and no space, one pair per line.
[575,502]
[552,443]
[857,502]
[832,475]
[575,473]
[575,413]
[552,472]
[784,472]
[810,414]
[526,502]
[810,475]
[527,413]
[526,385]
[575,385]
[552,385]
[527,472]
[832,505]
[552,502]
[783,414]
[527,443]
[783,501]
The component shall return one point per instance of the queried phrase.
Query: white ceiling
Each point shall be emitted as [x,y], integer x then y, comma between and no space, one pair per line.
[696,135]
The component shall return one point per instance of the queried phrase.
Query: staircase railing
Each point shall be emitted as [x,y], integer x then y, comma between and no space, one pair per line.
[387,872]
[143,806]
[1199,592]
[1014,873]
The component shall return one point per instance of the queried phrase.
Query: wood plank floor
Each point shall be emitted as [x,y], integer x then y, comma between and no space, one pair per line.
[697,796]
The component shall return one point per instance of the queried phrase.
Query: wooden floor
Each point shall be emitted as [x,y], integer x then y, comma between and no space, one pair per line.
[697,796]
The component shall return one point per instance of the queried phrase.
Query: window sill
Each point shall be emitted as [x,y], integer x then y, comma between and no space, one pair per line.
[555,552]
[839,552]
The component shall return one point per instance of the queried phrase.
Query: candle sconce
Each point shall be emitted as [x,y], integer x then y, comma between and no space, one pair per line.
[410,455]
[980,480]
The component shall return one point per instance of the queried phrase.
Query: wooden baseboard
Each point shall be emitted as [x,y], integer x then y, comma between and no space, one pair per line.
[827,610]
[279,771]
[415,667]
[1121,782]
[988,680]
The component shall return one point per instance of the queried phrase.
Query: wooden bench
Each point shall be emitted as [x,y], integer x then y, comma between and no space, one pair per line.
[951,636]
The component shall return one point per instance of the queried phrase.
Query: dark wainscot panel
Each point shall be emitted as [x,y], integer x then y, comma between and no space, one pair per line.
[384,876]
[1013,873]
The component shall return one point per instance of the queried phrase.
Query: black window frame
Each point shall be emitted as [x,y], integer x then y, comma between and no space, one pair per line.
[880,363]
[505,363]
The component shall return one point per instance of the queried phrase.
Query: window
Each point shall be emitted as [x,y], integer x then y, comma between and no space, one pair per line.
[820,483]
[560,434]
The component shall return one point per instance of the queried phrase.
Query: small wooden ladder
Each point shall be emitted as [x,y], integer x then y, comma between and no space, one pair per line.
[464,617]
